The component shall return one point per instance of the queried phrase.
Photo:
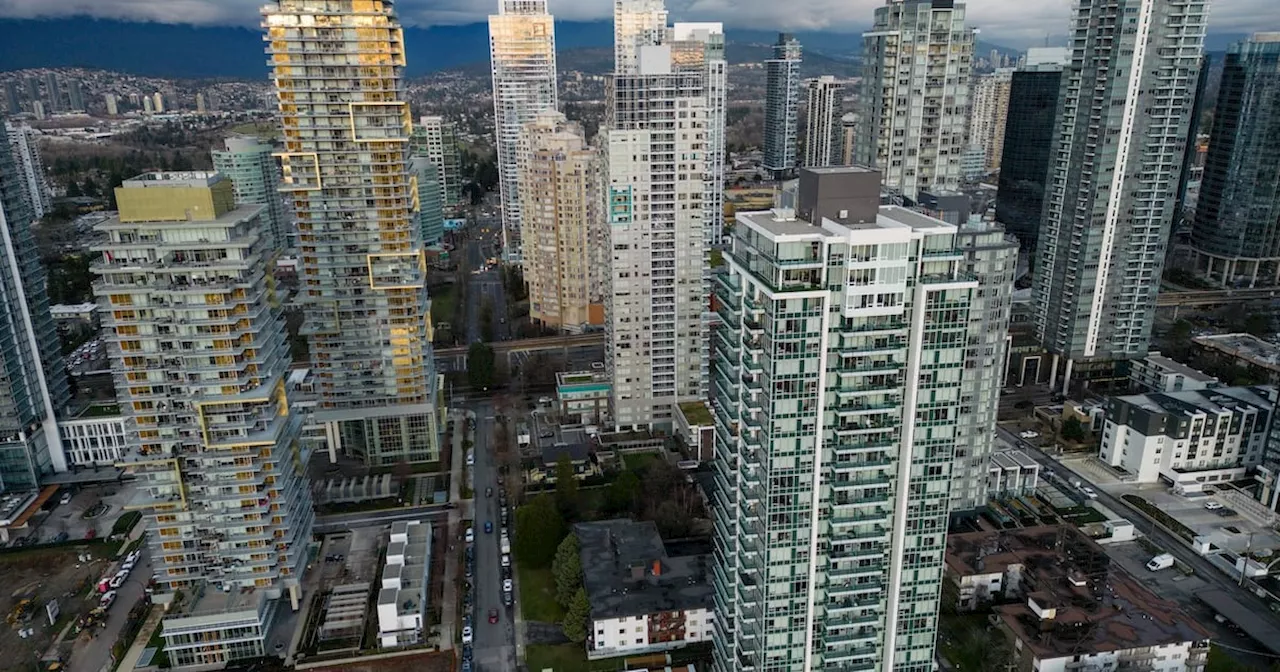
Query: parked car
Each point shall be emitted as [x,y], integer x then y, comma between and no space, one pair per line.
[466,634]
[493,615]
[1028,434]
[108,599]
[506,586]
[506,560]
[66,497]
[1089,492]
[1212,505]
[471,535]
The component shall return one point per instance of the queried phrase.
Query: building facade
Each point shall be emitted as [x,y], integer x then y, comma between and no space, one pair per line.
[1157,373]
[822,133]
[406,587]
[522,54]
[991,256]
[1236,233]
[838,379]
[699,47]
[1117,158]
[782,106]
[28,168]
[914,119]
[436,139]
[655,157]
[255,175]
[990,110]
[33,383]
[362,262]
[564,240]
[1028,136]
[1188,439]
[96,438]
[196,338]
[636,23]
[430,200]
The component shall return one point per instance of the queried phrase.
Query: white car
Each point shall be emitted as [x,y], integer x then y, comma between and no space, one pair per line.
[506,560]
[119,579]
[108,598]
[471,535]
[466,635]
[1029,434]
[1089,492]
[506,585]
[1212,505]
[471,459]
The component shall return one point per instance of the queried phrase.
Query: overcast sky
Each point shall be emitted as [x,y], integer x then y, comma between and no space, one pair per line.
[1013,22]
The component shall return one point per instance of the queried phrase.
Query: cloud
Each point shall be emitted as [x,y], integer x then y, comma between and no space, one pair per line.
[1010,21]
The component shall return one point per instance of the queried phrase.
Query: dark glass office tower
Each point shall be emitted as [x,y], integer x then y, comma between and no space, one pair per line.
[1237,227]
[1024,164]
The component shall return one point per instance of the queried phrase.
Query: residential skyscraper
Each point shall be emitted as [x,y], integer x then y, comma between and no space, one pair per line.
[1237,228]
[838,395]
[12,99]
[255,175]
[158,102]
[437,139]
[112,103]
[848,138]
[699,47]
[29,167]
[53,90]
[781,106]
[636,23]
[33,389]
[200,105]
[196,339]
[913,126]
[991,257]
[1116,161]
[563,235]
[522,55]
[990,110]
[430,200]
[75,95]
[1028,137]
[363,269]
[656,163]
[822,136]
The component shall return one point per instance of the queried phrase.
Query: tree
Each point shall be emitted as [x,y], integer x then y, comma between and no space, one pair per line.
[1258,324]
[575,617]
[621,495]
[539,529]
[1073,430]
[566,488]
[480,366]
[73,190]
[567,570]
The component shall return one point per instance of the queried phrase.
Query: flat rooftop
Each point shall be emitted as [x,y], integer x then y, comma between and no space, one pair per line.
[1210,401]
[1245,346]
[696,412]
[185,178]
[627,572]
[1174,366]
[211,600]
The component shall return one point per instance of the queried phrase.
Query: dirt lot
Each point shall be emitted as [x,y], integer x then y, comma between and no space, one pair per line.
[43,575]
[424,662]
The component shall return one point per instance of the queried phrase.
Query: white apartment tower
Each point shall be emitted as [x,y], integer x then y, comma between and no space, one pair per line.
[196,339]
[913,126]
[338,68]
[990,110]
[25,150]
[563,232]
[636,23]
[522,55]
[699,47]
[838,379]
[655,136]
[822,132]
[1114,174]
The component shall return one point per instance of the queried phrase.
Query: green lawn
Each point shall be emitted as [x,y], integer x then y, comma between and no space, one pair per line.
[638,462]
[567,657]
[264,130]
[538,596]
[444,303]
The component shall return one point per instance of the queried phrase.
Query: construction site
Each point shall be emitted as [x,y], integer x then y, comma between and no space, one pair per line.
[36,578]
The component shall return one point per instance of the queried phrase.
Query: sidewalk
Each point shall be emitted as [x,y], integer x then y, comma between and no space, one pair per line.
[449,600]
[149,626]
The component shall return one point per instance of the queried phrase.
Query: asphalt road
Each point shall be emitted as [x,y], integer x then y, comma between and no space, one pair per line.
[91,657]
[485,286]
[1210,574]
[494,644]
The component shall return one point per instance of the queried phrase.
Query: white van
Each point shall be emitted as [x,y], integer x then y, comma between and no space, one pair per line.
[1162,561]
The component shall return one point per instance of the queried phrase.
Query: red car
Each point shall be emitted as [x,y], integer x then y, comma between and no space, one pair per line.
[493,615]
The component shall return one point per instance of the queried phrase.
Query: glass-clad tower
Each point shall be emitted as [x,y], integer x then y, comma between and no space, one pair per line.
[338,67]
[254,173]
[837,387]
[33,379]
[1237,229]
[781,106]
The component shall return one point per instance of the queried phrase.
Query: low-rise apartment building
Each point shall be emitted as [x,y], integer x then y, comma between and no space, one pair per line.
[1188,439]
[97,437]
[402,602]
[1157,373]
[1259,358]
[583,396]
[642,599]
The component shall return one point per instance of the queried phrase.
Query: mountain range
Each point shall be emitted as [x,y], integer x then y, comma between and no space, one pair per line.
[204,52]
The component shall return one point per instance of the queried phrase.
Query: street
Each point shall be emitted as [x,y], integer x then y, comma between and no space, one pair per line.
[484,287]
[96,654]
[494,645]
[1204,571]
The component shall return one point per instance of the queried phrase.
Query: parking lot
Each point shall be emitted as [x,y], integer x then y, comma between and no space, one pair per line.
[1233,531]
[48,525]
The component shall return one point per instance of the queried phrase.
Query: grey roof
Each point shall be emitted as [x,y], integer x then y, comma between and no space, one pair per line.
[577,452]
[627,572]
[1260,629]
